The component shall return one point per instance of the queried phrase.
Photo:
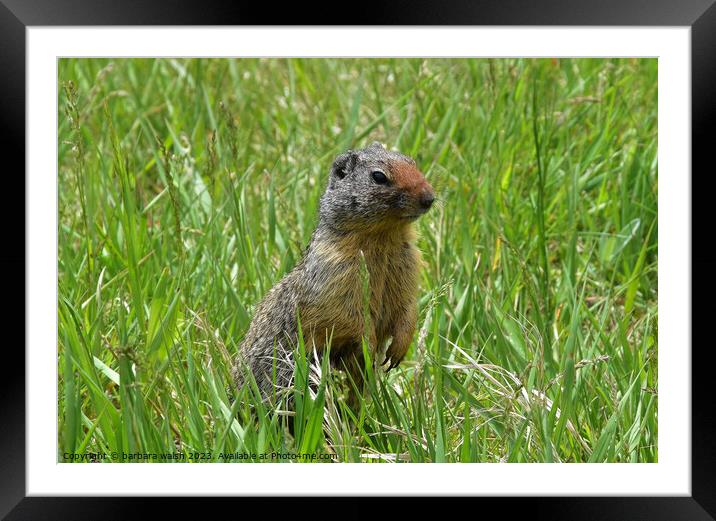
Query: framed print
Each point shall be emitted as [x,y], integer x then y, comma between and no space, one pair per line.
[424,253]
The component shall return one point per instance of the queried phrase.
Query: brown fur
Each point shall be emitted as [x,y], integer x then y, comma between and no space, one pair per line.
[408,178]
[325,290]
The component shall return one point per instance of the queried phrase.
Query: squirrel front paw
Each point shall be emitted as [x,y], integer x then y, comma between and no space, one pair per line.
[395,354]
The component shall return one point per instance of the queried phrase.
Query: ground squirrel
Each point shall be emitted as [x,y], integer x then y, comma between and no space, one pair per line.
[372,198]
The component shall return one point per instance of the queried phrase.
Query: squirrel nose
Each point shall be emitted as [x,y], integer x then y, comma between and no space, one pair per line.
[426,199]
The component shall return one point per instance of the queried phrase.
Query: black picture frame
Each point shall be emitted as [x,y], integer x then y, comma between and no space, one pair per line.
[699,15]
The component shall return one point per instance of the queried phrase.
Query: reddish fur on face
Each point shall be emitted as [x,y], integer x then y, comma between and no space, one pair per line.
[408,178]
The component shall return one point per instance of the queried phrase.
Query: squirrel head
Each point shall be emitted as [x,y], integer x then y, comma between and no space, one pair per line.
[374,188]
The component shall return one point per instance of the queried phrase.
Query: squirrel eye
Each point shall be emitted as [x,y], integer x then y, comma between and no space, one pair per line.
[379,177]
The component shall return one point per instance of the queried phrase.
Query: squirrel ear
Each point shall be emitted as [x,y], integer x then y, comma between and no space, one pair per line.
[344,164]
[377,144]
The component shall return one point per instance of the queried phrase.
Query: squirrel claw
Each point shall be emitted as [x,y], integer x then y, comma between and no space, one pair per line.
[387,358]
[393,365]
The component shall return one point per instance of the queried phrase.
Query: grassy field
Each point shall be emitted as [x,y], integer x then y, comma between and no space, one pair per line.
[188,187]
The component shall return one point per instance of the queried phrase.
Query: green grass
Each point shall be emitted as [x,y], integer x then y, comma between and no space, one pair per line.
[187,188]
